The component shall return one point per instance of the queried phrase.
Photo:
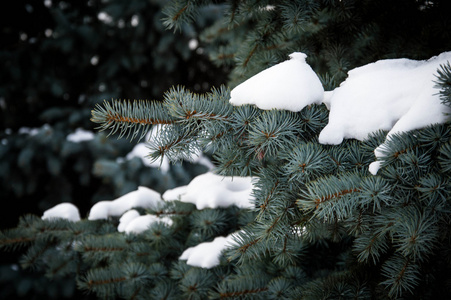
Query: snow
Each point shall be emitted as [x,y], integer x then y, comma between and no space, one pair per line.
[396,95]
[80,135]
[64,210]
[126,218]
[206,255]
[141,150]
[290,85]
[212,191]
[201,159]
[132,222]
[175,193]
[193,44]
[29,131]
[142,197]
[35,130]
[207,190]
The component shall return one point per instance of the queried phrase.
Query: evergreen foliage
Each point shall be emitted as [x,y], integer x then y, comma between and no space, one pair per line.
[131,266]
[59,58]
[322,227]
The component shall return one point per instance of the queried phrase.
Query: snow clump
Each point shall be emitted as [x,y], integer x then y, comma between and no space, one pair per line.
[290,85]
[396,95]
[212,191]
[142,197]
[64,210]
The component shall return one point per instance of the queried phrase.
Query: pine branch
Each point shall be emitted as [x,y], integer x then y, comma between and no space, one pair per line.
[179,13]
[11,240]
[332,197]
[402,275]
[306,162]
[273,131]
[186,106]
[415,233]
[96,249]
[225,295]
[244,283]
[414,148]
[102,281]
[128,118]
[371,245]
[34,254]
[445,157]
[176,142]
[245,246]
[434,189]
[197,283]
[444,83]
[265,200]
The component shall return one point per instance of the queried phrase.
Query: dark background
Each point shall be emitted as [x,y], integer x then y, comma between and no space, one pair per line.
[58,59]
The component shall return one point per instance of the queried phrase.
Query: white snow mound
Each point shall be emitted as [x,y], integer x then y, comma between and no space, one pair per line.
[132,222]
[80,135]
[126,218]
[206,255]
[142,197]
[289,85]
[396,95]
[64,210]
[212,191]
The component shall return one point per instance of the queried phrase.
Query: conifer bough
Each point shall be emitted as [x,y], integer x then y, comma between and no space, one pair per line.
[307,192]
[321,226]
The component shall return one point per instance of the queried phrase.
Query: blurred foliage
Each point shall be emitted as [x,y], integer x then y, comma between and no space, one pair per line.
[59,58]
[63,54]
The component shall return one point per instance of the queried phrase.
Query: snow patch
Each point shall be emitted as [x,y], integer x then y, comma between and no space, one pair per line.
[396,95]
[141,150]
[290,85]
[132,222]
[142,197]
[212,191]
[64,210]
[175,193]
[206,255]
[80,135]
[35,130]
[126,218]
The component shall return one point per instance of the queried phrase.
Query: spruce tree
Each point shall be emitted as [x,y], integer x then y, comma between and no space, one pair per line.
[322,226]
[59,58]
